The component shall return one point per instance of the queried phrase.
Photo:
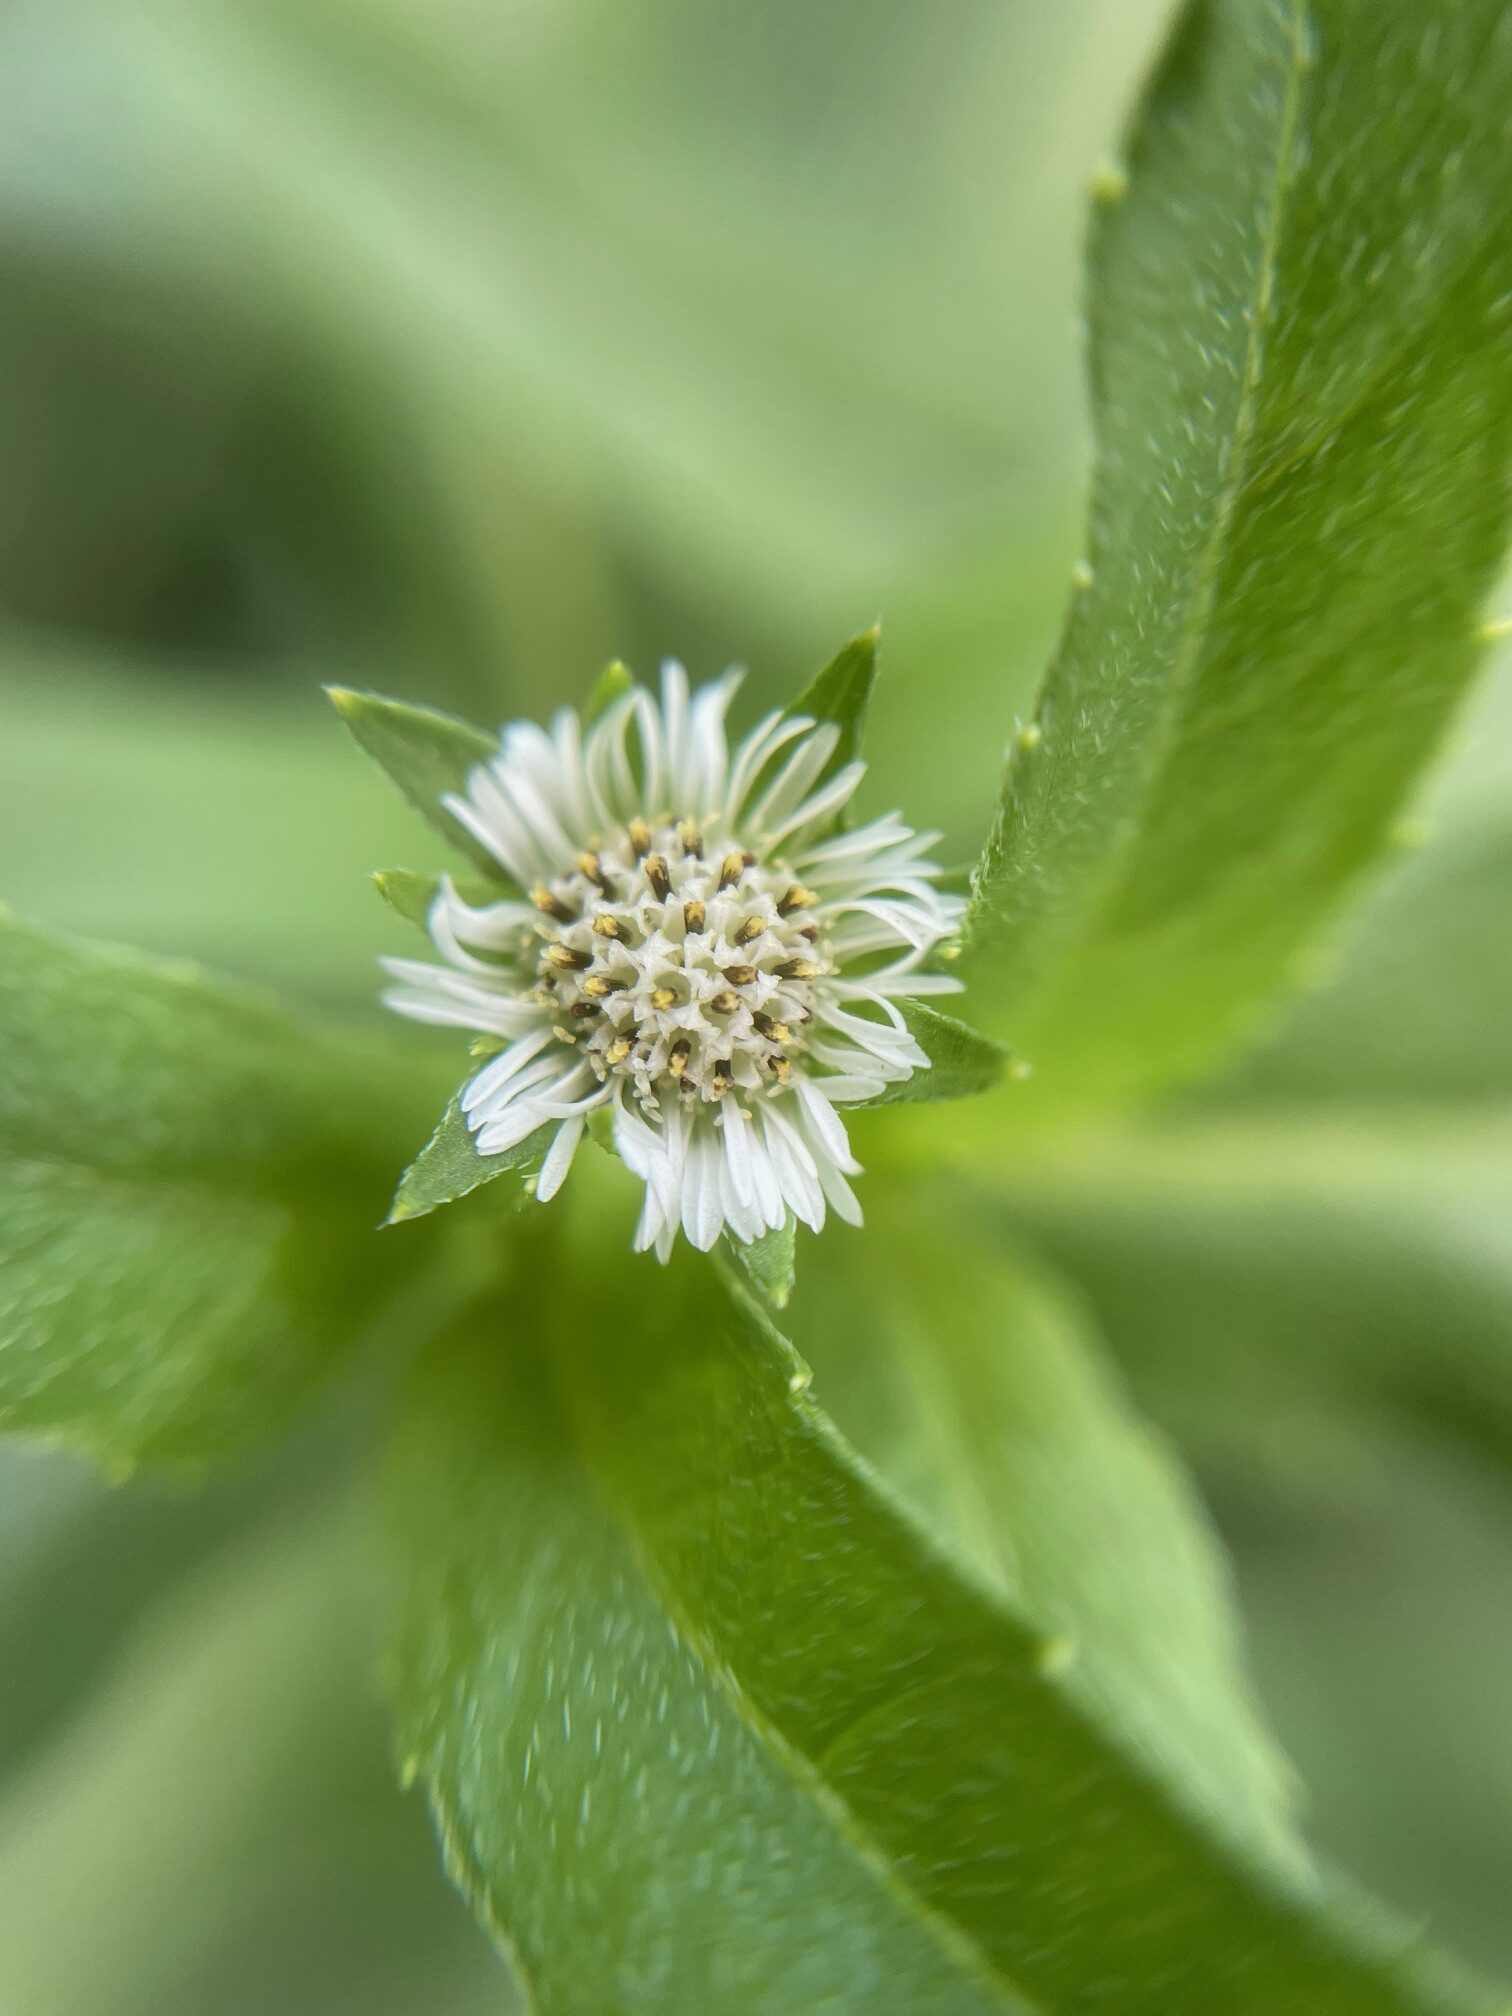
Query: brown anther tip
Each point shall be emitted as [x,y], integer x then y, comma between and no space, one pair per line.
[782,1070]
[597,985]
[592,867]
[798,969]
[551,905]
[731,869]
[689,837]
[581,1010]
[797,898]
[566,957]
[664,998]
[694,916]
[657,876]
[724,1075]
[811,932]
[678,1056]
[640,838]
[725,1002]
[740,976]
[752,928]
[607,926]
[773,1030]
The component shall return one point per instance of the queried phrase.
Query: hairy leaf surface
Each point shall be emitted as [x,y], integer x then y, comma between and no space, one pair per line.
[188,1186]
[709,1720]
[1301,304]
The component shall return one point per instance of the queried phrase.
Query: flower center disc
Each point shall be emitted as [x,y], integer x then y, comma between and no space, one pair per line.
[675,963]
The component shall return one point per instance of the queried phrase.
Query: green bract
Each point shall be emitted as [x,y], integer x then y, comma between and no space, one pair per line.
[816,1624]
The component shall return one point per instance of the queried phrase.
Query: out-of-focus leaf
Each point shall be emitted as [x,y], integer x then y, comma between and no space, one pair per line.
[1256,1275]
[1417,1010]
[188,1182]
[443,449]
[708,1720]
[428,754]
[234,1760]
[1414,1005]
[1301,305]
[1364,1585]
[449,1166]
[188,818]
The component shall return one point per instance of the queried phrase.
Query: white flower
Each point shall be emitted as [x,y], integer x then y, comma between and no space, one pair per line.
[695,956]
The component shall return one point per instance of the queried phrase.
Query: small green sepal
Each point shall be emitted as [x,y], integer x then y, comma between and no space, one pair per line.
[962,1062]
[449,1166]
[428,754]
[612,684]
[769,1263]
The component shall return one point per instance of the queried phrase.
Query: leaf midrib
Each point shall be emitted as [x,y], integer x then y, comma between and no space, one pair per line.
[960,1947]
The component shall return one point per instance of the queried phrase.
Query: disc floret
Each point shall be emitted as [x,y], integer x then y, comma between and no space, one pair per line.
[681,962]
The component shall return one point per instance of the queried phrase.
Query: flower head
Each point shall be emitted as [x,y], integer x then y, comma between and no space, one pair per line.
[700,950]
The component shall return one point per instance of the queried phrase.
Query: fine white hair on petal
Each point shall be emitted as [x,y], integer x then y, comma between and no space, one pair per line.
[702,952]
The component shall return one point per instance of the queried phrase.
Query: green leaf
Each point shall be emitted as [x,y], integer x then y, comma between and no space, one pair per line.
[1260,1276]
[449,1166]
[428,754]
[1301,300]
[614,681]
[709,1720]
[295,1864]
[1415,1008]
[840,694]
[962,1062]
[156,811]
[188,1182]
[769,1263]
[975,1383]
[1414,1005]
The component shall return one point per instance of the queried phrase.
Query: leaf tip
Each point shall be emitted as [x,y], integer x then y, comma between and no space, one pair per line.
[613,682]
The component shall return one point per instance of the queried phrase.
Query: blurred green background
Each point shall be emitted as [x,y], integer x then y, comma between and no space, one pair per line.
[454,347]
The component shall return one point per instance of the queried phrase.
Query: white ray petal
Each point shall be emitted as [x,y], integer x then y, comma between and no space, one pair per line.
[559,1160]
